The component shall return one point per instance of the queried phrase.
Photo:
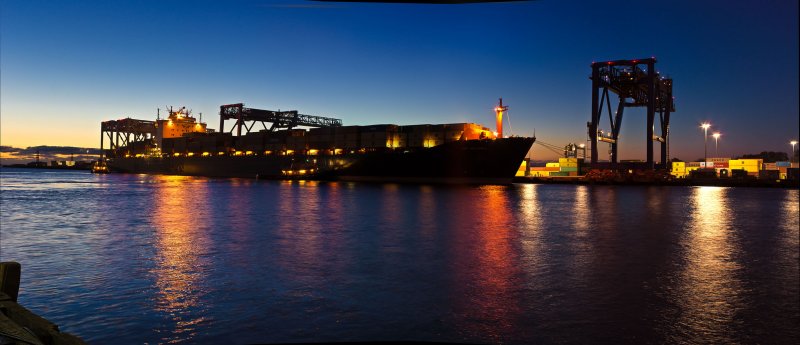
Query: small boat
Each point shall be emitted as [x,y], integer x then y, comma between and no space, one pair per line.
[100,167]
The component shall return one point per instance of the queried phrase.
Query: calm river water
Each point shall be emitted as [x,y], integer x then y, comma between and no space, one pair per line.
[166,259]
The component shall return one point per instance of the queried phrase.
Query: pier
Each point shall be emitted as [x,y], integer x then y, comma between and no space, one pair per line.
[19,325]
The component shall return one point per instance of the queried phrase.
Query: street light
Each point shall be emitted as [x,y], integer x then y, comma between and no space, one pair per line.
[705,126]
[716,143]
[793,142]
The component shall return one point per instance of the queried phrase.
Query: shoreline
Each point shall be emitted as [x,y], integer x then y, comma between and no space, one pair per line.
[729,182]
[25,166]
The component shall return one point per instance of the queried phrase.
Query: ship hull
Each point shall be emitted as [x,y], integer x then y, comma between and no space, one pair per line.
[460,162]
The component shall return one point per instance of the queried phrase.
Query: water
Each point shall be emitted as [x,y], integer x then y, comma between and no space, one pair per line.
[165,259]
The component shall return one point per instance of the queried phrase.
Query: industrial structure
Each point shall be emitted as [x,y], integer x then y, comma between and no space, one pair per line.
[279,119]
[123,132]
[637,84]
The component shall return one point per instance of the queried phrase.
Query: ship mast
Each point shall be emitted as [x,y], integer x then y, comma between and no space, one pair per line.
[499,111]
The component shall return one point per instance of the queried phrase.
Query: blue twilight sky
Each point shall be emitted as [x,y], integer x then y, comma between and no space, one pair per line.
[65,66]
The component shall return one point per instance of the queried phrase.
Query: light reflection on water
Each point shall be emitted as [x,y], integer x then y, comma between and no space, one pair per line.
[710,290]
[495,267]
[182,244]
[179,259]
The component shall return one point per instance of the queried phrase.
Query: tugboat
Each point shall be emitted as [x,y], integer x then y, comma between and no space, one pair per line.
[100,167]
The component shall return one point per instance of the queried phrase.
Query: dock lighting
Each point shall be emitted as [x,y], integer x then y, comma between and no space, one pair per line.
[705,126]
[716,136]
[793,143]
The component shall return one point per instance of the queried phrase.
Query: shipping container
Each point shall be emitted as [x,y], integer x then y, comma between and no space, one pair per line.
[180,146]
[783,164]
[749,161]
[552,165]
[568,160]
[769,175]
[523,169]
[754,169]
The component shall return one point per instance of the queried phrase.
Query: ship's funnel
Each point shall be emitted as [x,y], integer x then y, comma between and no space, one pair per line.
[499,111]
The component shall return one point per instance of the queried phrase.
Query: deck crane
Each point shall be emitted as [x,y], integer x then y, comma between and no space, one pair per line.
[570,150]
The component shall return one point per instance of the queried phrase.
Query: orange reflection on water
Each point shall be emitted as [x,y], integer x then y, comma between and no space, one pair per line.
[531,241]
[181,242]
[710,289]
[495,266]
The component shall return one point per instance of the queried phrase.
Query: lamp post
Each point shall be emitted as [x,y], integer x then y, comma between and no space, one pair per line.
[705,126]
[793,143]
[716,143]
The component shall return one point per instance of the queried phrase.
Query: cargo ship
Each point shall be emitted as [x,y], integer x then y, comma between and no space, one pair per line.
[180,144]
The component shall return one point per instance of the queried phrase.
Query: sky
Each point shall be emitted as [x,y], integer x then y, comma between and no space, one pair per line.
[66,66]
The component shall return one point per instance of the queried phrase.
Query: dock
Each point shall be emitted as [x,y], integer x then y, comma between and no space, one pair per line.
[19,325]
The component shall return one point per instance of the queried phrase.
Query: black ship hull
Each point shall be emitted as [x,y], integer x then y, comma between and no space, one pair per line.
[459,162]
